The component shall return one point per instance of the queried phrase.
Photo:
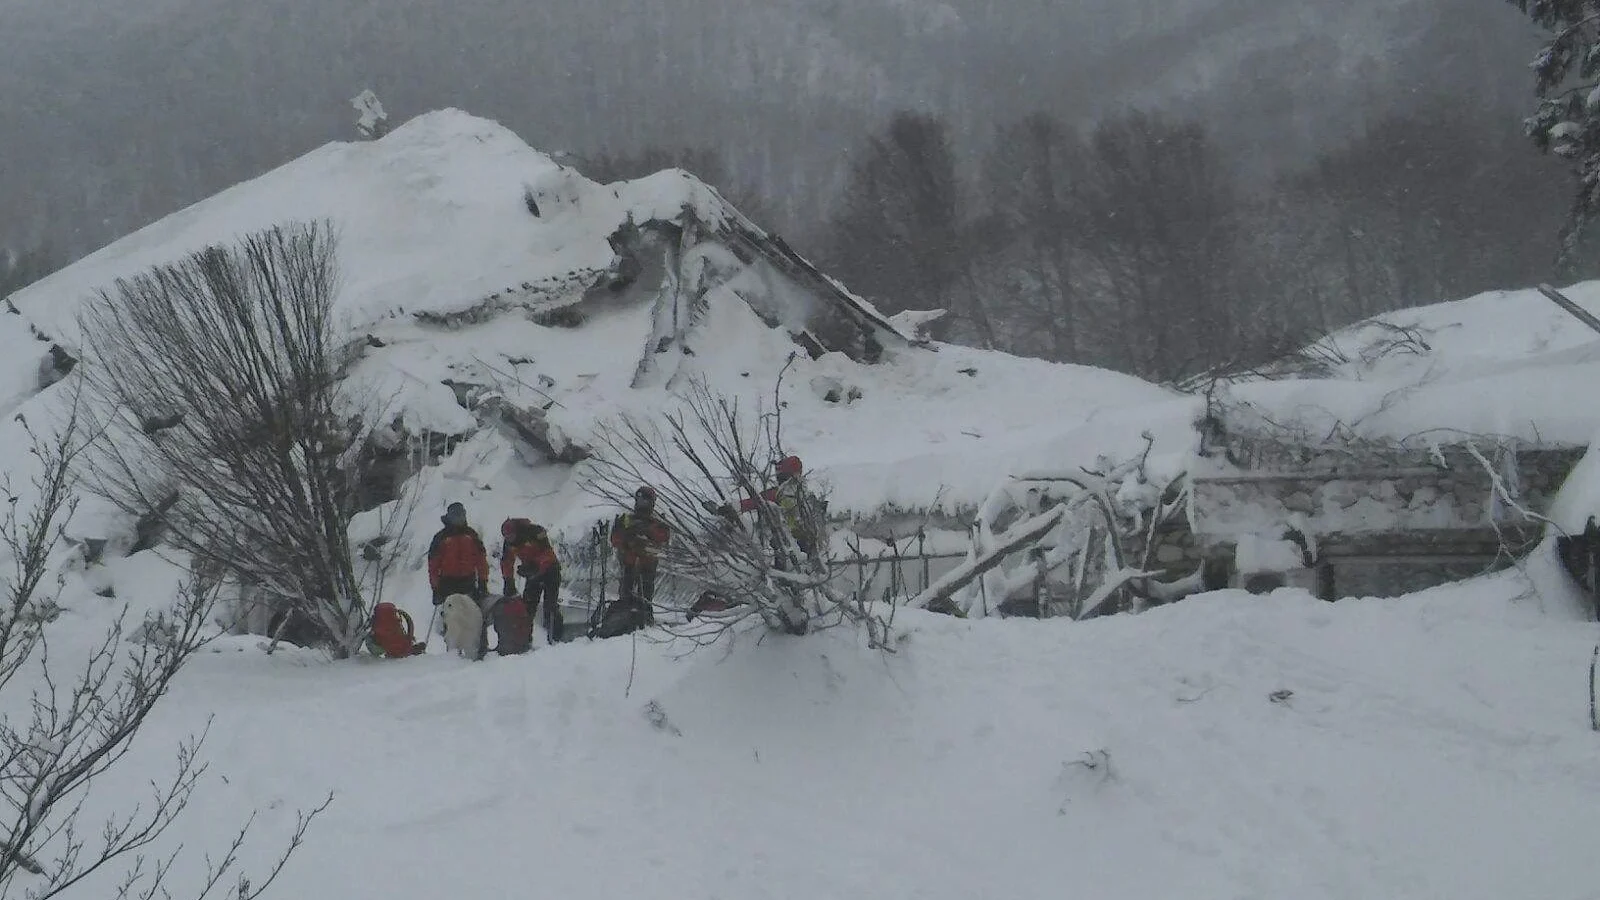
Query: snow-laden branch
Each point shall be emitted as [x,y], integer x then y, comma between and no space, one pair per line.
[1008,542]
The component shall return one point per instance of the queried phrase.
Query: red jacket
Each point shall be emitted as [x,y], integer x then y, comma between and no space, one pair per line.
[537,558]
[457,553]
[770,495]
[639,539]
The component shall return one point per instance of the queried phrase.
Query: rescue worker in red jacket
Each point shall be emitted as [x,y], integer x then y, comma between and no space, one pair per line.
[527,552]
[789,495]
[458,564]
[639,536]
[457,561]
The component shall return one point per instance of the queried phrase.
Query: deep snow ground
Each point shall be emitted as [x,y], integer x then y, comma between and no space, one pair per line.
[1434,746]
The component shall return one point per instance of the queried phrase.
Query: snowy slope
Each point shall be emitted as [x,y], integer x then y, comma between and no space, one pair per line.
[1507,363]
[1436,746]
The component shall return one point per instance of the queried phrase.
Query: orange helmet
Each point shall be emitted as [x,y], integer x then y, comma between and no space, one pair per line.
[789,466]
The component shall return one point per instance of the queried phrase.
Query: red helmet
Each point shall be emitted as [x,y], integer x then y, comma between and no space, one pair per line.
[789,465]
[515,528]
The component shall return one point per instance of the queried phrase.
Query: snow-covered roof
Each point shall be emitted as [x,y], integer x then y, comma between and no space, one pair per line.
[432,219]
[1509,364]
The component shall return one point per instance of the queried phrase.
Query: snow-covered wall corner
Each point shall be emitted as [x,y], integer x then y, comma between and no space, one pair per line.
[1578,496]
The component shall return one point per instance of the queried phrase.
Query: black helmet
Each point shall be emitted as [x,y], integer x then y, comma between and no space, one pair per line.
[454,514]
[644,497]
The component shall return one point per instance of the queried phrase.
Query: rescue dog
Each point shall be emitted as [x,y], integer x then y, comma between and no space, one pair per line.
[463,626]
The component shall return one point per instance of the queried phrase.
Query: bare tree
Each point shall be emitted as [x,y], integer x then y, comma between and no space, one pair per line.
[703,459]
[900,237]
[216,380]
[1161,232]
[1032,177]
[80,718]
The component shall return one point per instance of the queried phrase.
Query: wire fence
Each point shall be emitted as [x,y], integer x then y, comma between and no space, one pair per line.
[896,574]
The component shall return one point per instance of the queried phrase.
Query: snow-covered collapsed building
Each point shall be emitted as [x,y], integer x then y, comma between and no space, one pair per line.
[1423,447]
[1371,518]
[502,307]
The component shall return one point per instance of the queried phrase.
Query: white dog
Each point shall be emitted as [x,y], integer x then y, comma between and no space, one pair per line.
[463,625]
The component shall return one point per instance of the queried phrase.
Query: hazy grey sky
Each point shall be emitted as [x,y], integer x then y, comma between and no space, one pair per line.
[115,112]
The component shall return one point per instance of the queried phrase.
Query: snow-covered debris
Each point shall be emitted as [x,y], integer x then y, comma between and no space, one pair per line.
[437,221]
[1256,553]
[1502,363]
[917,322]
[373,122]
[500,304]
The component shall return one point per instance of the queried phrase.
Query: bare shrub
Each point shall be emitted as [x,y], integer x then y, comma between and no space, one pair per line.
[216,383]
[703,458]
[64,724]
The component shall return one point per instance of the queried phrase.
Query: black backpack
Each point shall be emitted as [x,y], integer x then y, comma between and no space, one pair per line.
[623,617]
[513,625]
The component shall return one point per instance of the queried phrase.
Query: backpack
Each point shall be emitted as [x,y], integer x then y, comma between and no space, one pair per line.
[392,631]
[513,625]
[623,617]
[709,601]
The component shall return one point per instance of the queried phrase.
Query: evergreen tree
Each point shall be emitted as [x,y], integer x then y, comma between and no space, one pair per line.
[1567,122]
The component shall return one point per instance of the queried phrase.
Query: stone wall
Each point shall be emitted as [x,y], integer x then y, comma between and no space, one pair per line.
[1384,524]
[1447,491]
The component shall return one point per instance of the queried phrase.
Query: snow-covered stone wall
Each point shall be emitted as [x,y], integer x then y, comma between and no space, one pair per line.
[1445,489]
[1383,524]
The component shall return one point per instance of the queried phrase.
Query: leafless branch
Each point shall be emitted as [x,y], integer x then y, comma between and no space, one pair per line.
[215,379]
[80,717]
[703,458]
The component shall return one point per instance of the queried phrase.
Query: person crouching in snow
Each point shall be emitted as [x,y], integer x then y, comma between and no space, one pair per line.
[458,562]
[638,536]
[527,552]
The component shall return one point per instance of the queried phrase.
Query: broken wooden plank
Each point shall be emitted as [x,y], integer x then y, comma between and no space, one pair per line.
[1011,541]
[1578,312]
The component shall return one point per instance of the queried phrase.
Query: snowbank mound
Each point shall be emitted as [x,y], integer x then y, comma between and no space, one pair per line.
[1226,746]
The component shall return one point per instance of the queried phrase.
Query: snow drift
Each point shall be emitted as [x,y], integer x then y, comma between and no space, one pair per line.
[1229,746]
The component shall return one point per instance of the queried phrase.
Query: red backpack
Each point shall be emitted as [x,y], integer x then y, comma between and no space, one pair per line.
[513,626]
[393,632]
